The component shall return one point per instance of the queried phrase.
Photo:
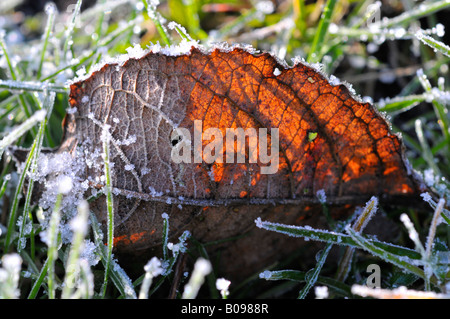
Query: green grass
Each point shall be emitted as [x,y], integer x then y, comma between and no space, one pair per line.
[342,35]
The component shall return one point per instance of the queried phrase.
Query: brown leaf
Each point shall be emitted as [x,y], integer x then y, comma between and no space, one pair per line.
[328,140]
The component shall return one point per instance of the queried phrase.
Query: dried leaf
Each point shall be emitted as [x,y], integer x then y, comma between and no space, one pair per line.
[327,140]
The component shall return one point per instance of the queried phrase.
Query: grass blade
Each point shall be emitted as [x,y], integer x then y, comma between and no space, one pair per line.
[52,243]
[422,10]
[312,275]
[434,44]
[50,9]
[73,266]
[109,204]
[300,276]
[315,53]
[48,103]
[402,262]
[118,276]
[38,116]
[157,20]
[335,238]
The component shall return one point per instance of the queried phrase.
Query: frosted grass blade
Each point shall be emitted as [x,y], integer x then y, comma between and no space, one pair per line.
[50,9]
[315,53]
[48,103]
[312,275]
[335,238]
[157,20]
[402,262]
[117,274]
[79,225]
[300,276]
[434,44]
[422,10]
[109,204]
[31,86]
[52,243]
[21,129]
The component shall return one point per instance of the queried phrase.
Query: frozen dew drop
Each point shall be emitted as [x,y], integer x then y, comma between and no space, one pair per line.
[222,284]
[154,267]
[265,274]
[50,8]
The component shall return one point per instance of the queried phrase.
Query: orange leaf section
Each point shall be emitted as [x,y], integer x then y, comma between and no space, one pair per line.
[352,153]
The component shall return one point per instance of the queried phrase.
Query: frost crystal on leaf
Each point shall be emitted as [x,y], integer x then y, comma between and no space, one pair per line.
[71,110]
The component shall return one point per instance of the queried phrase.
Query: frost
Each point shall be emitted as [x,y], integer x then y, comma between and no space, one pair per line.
[81,72]
[180,29]
[439,30]
[64,184]
[153,267]
[71,110]
[128,141]
[265,7]
[265,275]
[442,96]
[129,167]
[50,8]
[154,193]
[276,72]
[145,171]
[135,51]
[426,197]
[321,196]
[63,173]
[334,80]
[89,253]
[174,50]
[165,216]
[429,177]
[85,99]
[258,222]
